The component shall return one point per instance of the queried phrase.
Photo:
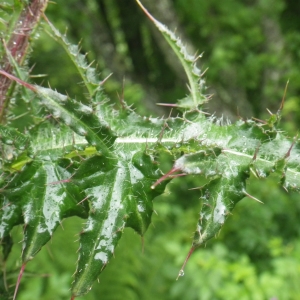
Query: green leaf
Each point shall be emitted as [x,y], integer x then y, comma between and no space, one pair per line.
[219,197]
[39,196]
[87,73]
[188,62]
[13,137]
[120,195]
[101,164]
[79,117]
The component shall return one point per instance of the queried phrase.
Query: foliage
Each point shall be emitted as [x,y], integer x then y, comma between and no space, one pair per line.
[83,157]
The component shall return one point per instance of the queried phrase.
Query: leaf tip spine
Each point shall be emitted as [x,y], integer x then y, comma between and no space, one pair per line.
[252,197]
[105,79]
[283,98]
[146,12]
[161,179]
[287,155]
[19,280]
[181,271]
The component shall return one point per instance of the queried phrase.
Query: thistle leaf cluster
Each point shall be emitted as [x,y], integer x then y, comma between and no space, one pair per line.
[82,157]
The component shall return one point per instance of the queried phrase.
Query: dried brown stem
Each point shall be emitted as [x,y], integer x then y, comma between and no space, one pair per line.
[17,46]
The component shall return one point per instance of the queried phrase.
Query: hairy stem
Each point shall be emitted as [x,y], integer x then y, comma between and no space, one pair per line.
[17,46]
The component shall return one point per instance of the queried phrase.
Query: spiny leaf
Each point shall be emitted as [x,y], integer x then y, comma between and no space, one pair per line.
[10,215]
[104,226]
[40,194]
[104,159]
[220,196]
[53,142]
[119,195]
[227,176]
[194,75]
[87,73]
[79,117]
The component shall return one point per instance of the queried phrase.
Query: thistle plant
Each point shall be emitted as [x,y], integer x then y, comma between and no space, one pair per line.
[82,157]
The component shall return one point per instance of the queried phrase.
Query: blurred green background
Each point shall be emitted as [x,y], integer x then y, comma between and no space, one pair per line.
[251,49]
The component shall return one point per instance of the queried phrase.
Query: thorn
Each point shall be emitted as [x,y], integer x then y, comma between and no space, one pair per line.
[181,271]
[121,99]
[202,74]
[82,200]
[167,104]
[189,88]
[164,127]
[19,280]
[283,98]
[196,188]
[209,97]
[255,153]
[91,62]
[293,143]
[197,56]
[269,112]
[61,224]
[105,79]
[38,75]
[18,80]
[33,76]
[252,197]
[254,172]
[161,179]
[285,189]
[260,121]
[104,265]
[147,13]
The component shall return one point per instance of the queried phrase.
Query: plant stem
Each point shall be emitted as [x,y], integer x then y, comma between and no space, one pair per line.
[17,46]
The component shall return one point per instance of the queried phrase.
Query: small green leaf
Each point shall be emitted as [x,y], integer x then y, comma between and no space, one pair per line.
[219,197]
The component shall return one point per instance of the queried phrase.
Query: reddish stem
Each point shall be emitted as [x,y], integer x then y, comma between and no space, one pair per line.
[18,80]
[161,179]
[185,261]
[18,44]
[19,280]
